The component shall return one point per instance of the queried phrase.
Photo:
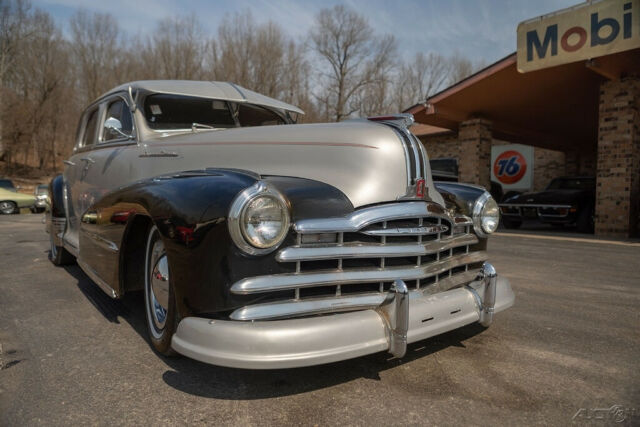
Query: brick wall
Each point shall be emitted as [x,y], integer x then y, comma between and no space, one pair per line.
[548,164]
[618,166]
[475,151]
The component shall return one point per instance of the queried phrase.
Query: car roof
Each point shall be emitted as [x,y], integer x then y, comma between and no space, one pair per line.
[205,89]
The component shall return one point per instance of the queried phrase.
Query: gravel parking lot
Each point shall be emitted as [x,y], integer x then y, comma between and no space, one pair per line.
[570,346]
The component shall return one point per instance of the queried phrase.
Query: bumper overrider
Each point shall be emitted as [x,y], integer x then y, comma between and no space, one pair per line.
[405,316]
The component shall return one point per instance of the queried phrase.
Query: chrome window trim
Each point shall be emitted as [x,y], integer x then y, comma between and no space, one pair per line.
[515,205]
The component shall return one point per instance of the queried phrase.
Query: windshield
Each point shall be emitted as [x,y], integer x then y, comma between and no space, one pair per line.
[42,189]
[572,184]
[179,112]
[166,112]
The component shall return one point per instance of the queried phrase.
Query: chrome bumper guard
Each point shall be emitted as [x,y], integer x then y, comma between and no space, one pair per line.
[403,317]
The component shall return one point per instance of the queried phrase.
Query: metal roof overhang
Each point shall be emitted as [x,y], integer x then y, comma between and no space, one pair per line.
[555,108]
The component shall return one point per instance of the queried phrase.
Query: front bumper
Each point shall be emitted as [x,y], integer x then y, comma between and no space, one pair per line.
[405,317]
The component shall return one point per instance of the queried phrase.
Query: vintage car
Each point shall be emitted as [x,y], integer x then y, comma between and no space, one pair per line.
[11,201]
[261,243]
[41,192]
[568,200]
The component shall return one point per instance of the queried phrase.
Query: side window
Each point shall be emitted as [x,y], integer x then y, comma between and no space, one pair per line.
[90,129]
[118,110]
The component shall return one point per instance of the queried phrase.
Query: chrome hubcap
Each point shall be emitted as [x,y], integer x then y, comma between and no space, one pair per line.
[157,286]
[6,207]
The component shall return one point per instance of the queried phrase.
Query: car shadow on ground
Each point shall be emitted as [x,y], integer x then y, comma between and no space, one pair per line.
[204,380]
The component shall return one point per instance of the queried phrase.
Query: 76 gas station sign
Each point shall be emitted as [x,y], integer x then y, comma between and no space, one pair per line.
[512,166]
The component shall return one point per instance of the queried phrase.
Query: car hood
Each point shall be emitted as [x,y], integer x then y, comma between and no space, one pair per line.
[364,160]
[550,197]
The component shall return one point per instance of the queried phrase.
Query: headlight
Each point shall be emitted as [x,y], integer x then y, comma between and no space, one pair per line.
[486,215]
[259,219]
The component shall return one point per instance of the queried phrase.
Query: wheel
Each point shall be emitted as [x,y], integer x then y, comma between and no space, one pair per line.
[59,255]
[8,207]
[159,300]
[585,223]
[511,223]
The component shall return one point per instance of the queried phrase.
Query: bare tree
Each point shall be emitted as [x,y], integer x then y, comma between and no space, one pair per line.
[345,42]
[13,31]
[177,48]
[95,48]
[420,78]
[460,68]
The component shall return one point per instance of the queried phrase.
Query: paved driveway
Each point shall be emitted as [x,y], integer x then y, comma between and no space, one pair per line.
[70,354]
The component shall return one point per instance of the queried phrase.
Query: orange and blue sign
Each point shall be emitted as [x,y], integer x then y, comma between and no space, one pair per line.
[509,167]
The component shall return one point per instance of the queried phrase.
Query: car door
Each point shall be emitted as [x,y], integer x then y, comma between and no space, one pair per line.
[105,167]
[75,186]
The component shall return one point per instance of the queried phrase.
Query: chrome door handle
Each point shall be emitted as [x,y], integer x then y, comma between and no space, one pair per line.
[88,160]
[68,163]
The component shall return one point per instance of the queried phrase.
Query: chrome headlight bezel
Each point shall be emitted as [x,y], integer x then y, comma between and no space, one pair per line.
[479,216]
[237,212]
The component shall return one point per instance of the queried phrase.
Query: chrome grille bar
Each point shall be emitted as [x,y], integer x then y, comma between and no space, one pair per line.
[408,231]
[286,281]
[367,216]
[373,250]
[311,306]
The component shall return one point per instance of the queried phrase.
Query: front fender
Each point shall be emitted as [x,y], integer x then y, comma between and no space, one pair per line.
[190,210]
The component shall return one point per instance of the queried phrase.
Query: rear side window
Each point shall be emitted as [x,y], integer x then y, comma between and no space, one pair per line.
[166,112]
[90,130]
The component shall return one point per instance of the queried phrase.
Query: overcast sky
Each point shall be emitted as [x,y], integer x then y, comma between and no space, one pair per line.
[479,30]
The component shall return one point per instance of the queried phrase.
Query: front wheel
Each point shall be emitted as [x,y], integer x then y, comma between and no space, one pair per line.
[8,207]
[159,299]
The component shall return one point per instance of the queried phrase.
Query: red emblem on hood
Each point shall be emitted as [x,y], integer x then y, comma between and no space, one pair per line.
[420,188]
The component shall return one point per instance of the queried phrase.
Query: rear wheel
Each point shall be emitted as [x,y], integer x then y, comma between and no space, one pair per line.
[8,207]
[159,300]
[511,223]
[59,255]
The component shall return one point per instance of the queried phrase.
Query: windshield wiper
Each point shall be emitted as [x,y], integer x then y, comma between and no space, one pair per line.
[195,126]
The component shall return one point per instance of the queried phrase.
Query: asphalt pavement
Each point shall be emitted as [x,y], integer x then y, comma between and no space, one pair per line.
[568,351]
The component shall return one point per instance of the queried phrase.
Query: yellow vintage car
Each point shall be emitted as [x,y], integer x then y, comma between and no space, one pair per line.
[11,201]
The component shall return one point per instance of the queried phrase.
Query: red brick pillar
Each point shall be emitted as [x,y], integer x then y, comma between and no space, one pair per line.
[475,152]
[618,163]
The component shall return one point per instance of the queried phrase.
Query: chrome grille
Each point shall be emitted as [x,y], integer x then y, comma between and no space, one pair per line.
[349,263]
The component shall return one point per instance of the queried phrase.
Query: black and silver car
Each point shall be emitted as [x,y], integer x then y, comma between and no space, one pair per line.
[568,200]
[260,243]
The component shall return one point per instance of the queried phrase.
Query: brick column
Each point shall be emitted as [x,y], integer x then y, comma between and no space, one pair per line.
[618,164]
[475,152]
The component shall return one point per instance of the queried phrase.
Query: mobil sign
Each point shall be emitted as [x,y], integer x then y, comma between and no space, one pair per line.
[512,166]
[581,32]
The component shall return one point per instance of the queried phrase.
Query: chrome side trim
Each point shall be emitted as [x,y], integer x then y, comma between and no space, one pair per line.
[105,243]
[372,250]
[97,280]
[363,217]
[286,281]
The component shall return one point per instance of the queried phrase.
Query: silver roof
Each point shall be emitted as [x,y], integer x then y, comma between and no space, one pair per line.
[207,89]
